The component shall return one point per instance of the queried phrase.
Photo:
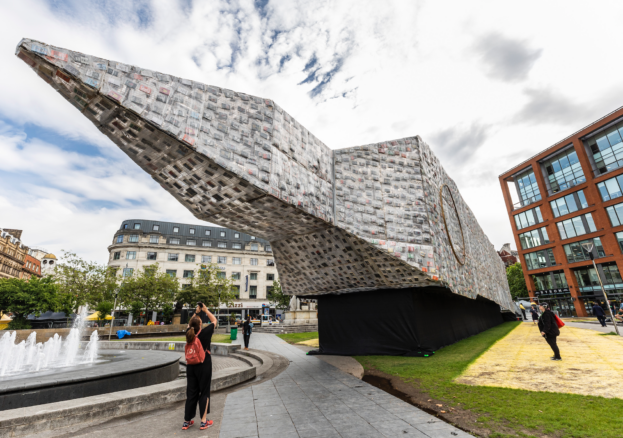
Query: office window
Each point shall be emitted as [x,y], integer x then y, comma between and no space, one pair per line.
[253,262]
[576,226]
[176,229]
[137,226]
[564,171]
[236,235]
[540,259]
[191,231]
[189,274]
[269,289]
[152,255]
[254,247]
[615,213]
[208,232]
[528,188]
[607,149]
[130,255]
[222,259]
[206,259]
[222,233]
[235,289]
[235,275]
[173,257]
[528,218]
[236,260]
[155,228]
[125,226]
[575,252]
[174,241]
[116,255]
[207,243]
[589,283]
[154,239]
[611,188]
[191,242]
[550,280]
[269,248]
[534,238]
[236,246]
[619,237]
[120,238]
[127,272]
[270,277]
[222,244]
[221,274]
[172,273]
[252,292]
[253,276]
[270,262]
[569,204]
[252,237]
[189,258]
[133,238]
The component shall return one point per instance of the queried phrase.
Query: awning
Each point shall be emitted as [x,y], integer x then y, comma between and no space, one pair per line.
[95,317]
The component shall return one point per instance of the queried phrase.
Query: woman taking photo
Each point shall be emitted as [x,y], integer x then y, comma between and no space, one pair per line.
[199,376]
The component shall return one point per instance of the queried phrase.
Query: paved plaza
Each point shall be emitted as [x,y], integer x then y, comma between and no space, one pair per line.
[314,399]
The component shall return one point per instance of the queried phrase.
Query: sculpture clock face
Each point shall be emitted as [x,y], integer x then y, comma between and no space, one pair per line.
[452,222]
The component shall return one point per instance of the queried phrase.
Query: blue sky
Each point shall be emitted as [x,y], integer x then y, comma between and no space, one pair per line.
[486,84]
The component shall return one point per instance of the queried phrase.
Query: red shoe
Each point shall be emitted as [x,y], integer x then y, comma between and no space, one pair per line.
[187,424]
[207,424]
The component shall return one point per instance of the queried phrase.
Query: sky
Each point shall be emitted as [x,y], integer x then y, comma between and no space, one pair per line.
[486,84]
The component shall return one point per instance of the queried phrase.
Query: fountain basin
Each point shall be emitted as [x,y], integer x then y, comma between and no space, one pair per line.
[114,370]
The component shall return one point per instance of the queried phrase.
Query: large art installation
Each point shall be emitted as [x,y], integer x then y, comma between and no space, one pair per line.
[378,233]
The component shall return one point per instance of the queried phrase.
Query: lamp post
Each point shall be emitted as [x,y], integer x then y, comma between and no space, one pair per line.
[112,314]
[589,248]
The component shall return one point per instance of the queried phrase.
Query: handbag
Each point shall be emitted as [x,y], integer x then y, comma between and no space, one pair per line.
[559,322]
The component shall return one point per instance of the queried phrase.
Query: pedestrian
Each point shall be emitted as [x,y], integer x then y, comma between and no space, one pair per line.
[199,376]
[549,329]
[247,327]
[535,315]
[523,311]
[598,311]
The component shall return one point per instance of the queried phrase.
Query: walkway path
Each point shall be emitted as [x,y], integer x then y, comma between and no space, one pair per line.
[314,399]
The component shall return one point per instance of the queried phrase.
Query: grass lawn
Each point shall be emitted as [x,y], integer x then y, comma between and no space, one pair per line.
[223,339]
[293,338]
[503,412]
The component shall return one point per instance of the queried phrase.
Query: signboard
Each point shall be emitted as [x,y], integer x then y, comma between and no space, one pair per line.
[248,305]
[560,291]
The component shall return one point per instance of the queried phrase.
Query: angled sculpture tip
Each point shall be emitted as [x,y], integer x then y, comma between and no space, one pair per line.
[379,216]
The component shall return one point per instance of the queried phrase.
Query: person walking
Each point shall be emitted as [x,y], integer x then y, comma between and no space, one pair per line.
[549,329]
[523,311]
[247,327]
[534,313]
[199,376]
[598,311]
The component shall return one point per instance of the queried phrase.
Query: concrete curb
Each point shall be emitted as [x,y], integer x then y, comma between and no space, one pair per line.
[217,348]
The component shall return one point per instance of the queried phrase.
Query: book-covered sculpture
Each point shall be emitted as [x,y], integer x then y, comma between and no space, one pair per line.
[375,217]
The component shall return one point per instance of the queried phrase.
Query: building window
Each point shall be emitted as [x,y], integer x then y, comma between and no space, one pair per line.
[615,213]
[540,259]
[208,232]
[236,246]
[191,242]
[207,243]
[254,247]
[155,228]
[173,257]
[133,238]
[576,226]
[222,234]
[127,272]
[589,283]
[176,229]
[172,273]
[222,259]
[534,238]
[269,290]
[125,226]
[235,289]
[564,171]
[235,276]
[222,244]
[619,237]
[269,248]
[152,255]
[270,262]
[189,274]
[611,188]
[120,238]
[528,188]
[206,259]
[154,239]
[607,149]
[221,274]
[116,255]
[253,276]
[191,231]
[569,204]
[130,255]
[236,235]
[550,280]
[252,237]
[270,277]
[252,292]
[137,226]
[528,218]
[174,241]
[189,258]
[576,252]
[236,260]
[253,262]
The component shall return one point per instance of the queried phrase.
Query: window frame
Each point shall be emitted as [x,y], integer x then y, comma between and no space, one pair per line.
[150,253]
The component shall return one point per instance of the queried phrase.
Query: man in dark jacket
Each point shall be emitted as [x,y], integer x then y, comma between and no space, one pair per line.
[549,329]
[598,311]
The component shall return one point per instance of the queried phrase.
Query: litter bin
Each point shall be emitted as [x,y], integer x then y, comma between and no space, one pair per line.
[234,333]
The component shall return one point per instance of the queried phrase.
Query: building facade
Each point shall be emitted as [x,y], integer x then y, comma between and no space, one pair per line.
[12,253]
[32,266]
[179,249]
[565,204]
[509,256]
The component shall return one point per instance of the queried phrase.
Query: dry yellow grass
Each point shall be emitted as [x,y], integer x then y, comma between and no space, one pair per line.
[310,343]
[591,365]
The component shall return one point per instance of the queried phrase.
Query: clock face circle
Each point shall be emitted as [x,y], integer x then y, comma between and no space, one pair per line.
[452,222]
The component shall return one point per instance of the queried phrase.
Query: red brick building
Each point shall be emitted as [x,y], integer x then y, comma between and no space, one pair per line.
[563,201]
[32,266]
[508,255]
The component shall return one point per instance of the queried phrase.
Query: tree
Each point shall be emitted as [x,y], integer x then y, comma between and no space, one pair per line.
[277,298]
[104,308]
[209,286]
[23,297]
[516,281]
[135,309]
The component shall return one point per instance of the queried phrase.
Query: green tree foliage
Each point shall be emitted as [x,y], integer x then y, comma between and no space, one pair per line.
[135,309]
[103,308]
[24,297]
[516,281]
[277,298]
[208,286]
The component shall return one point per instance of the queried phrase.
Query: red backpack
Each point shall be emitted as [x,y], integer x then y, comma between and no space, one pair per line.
[194,352]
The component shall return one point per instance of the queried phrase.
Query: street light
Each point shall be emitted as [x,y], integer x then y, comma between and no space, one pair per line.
[589,248]
[112,314]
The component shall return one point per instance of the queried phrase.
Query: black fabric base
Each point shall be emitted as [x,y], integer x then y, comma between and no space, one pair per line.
[400,322]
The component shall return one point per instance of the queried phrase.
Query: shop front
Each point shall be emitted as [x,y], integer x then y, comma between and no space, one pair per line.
[242,308]
[559,300]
